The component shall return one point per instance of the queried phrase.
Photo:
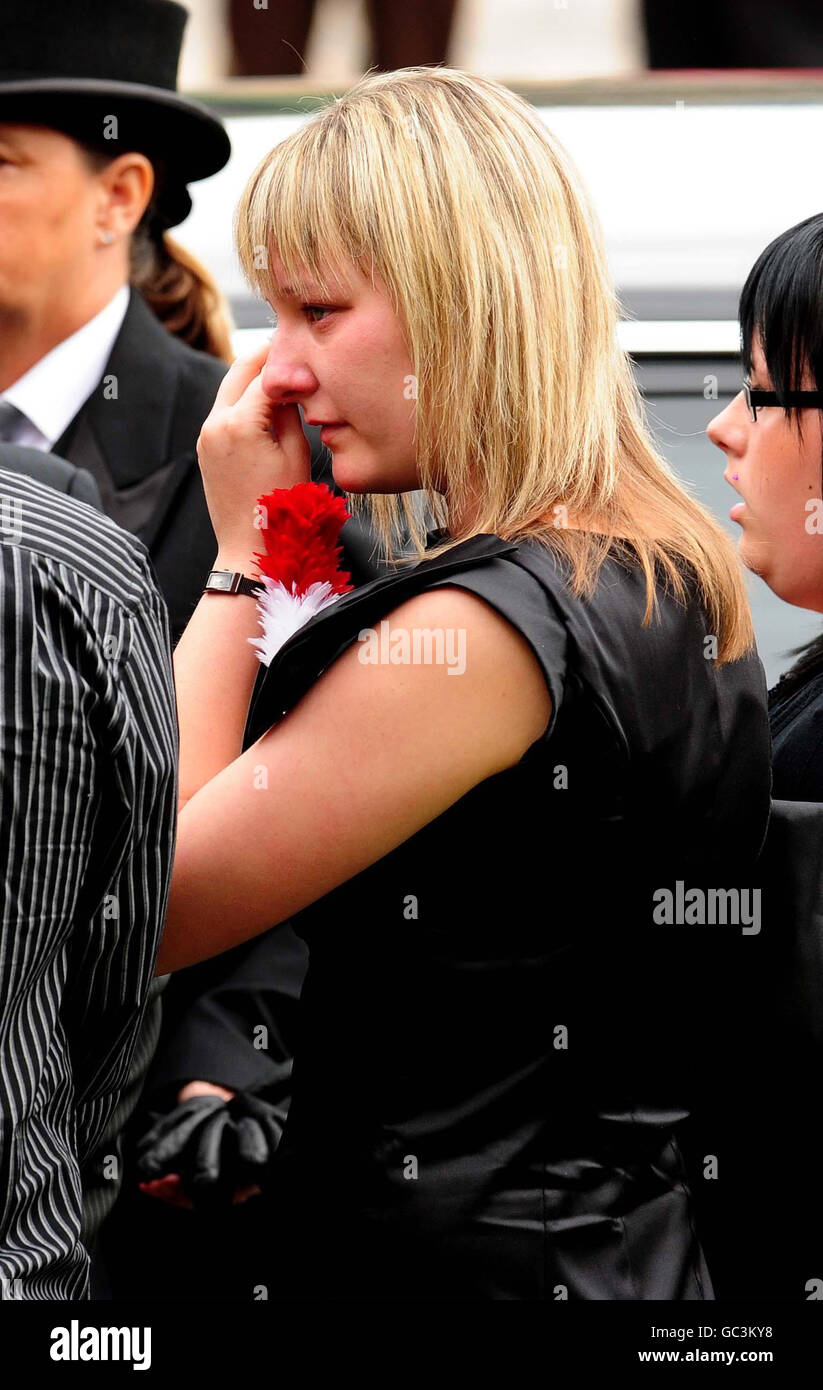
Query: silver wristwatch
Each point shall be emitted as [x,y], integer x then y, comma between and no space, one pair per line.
[230,582]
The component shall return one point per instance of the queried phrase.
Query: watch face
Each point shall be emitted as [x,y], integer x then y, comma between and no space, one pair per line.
[220,579]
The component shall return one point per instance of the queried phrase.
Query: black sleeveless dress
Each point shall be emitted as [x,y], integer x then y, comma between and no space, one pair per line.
[498,1044]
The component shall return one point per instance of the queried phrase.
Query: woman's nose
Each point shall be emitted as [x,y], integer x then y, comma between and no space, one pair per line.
[726,430]
[286,374]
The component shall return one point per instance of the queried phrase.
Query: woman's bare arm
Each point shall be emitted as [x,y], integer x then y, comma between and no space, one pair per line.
[367,757]
[214,673]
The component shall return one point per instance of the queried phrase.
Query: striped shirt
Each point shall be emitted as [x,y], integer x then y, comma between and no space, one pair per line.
[88,752]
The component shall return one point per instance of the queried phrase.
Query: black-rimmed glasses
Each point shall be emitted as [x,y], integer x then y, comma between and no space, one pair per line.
[755,400]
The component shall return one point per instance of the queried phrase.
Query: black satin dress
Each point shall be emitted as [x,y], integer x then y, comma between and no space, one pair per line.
[497,1044]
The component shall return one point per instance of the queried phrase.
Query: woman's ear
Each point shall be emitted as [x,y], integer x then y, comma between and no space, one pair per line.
[127,185]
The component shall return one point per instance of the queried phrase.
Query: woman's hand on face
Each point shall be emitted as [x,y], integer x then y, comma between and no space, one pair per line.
[247,446]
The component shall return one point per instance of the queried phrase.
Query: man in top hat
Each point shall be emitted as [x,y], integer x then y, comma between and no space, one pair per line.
[96,144]
[96,149]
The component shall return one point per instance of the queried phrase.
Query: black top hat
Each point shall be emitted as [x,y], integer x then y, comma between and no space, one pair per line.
[73,65]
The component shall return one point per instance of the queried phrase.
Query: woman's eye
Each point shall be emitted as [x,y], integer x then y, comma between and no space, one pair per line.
[317,309]
[309,309]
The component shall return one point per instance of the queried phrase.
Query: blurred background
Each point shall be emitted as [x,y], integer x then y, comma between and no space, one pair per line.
[696,126]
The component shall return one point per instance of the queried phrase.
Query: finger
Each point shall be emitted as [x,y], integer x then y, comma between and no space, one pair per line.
[212,1152]
[255,417]
[161,1127]
[281,421]
[268,1117]
[252,1144]
[212,1186]
[255,406]
[287,426]
[239,376]
[272,1130]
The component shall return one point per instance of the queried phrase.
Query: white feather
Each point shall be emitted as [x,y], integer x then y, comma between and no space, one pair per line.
[281,613]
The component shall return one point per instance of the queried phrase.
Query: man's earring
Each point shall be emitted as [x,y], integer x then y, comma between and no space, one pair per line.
[106,238]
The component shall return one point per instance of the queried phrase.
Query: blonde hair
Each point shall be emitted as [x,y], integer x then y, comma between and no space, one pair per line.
[451,188]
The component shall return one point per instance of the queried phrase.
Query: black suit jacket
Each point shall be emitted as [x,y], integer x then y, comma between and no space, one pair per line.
[55,472]
[137,435]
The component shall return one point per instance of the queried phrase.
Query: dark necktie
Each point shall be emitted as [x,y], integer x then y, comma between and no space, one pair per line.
[10,421]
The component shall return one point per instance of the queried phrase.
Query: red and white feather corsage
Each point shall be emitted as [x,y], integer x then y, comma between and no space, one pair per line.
[300,567]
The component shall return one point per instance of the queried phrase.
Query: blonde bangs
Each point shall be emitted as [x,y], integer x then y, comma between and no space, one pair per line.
[451,189]
[291,209]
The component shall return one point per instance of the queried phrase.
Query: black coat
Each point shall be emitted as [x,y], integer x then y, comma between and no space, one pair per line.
[137,436]
[759,1205]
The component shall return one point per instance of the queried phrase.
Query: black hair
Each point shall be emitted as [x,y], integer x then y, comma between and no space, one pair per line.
[782,305]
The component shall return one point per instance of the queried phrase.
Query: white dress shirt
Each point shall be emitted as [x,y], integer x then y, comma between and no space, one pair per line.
[52,391]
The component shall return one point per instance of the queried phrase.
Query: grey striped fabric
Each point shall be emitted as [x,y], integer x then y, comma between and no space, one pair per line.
[88,754]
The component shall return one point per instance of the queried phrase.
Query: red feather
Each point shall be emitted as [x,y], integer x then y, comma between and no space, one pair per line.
[301,536]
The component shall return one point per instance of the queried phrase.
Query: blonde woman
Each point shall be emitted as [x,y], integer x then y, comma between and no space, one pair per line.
[501,1033]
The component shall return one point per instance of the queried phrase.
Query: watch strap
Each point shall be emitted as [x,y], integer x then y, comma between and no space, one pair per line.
[231,582]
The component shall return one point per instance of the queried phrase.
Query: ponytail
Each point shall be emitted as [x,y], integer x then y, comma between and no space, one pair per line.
[180,291]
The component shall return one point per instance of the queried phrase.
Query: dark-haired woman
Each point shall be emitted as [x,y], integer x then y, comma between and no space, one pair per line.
[772,436]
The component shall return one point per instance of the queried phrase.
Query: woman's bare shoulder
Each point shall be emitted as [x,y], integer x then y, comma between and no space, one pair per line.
[493,659]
